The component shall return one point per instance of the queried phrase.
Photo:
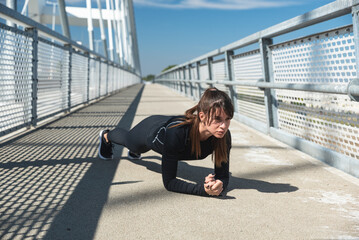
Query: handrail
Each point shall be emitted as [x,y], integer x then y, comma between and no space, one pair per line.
[324,13]
[352,89]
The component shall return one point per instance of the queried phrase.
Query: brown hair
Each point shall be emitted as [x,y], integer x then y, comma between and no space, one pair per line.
[211,101]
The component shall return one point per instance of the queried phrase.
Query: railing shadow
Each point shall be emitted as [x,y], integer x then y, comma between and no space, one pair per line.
[52,185]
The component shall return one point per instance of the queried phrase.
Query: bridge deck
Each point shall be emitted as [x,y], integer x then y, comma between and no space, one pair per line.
[53,186]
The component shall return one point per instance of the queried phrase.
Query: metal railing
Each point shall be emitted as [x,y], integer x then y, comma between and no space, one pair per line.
[43,73]
[303,92]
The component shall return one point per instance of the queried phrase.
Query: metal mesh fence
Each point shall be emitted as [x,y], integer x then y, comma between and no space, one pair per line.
[110,85]
[248,67]
[94,79]
[53,68]
[219,73]
[103,79]
[15,79]
[43,73]
[329,120]
[79,79]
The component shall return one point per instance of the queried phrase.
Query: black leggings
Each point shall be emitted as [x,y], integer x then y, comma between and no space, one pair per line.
[136,140]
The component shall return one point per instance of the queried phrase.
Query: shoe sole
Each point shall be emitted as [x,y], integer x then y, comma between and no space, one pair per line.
[99,148]
[132,158]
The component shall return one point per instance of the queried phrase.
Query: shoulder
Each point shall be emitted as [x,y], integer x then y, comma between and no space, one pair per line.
[176,136]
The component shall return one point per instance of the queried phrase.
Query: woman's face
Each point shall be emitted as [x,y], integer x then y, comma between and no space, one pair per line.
[219,125]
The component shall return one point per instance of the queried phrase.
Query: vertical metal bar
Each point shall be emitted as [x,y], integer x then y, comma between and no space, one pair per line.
[179,77]
[102,29]
[190,78]
[68,46]
[107,64]
[355,19]
[64,20]
[209,67]
[198,65]
[99,77]
[229,71]
[134,37]
[184,77]
[109,30]
[89,24]
[12,4]
[267,76]
[35,79]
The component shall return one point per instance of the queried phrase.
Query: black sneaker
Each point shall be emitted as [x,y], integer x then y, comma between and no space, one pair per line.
[133,156]
[104,148]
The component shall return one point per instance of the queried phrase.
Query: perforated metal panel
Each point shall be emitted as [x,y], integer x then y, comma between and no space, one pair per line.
[219,73]
[94,79]
[124,81]
[53,75]
[110,85]
[203,72]
[79,81]
[15,80]
[116,77]
[327,119]
[103,79]
[248,67]
[194,76]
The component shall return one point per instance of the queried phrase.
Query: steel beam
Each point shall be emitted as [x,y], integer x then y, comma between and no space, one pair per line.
[64,20]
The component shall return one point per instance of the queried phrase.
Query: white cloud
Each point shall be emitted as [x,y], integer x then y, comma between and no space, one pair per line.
[212,4]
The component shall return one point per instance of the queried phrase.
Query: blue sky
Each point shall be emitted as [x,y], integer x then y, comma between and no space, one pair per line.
[176,31]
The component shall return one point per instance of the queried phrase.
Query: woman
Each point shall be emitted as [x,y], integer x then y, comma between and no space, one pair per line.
[202,131]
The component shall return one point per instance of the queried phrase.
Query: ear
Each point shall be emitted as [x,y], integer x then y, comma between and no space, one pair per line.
[202,116]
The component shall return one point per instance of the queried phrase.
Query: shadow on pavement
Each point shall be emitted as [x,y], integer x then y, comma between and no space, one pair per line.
[197,174]
[52,184]
[79,217]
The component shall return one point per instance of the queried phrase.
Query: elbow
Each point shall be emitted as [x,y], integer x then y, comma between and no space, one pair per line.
[166,184]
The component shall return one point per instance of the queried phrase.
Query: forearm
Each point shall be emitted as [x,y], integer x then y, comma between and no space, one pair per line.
[180,186]
[171,183]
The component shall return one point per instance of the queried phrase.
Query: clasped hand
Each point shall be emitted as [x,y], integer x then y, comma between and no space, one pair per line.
[213,186]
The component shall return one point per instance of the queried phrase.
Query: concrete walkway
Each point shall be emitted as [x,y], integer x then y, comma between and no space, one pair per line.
[53,186]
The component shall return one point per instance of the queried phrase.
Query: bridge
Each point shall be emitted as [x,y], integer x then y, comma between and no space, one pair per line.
[294,159]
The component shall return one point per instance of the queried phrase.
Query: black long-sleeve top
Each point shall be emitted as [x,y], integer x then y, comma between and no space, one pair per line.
[175,145]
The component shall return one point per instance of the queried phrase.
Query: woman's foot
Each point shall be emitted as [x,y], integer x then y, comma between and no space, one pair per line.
[105,147]
[133,156]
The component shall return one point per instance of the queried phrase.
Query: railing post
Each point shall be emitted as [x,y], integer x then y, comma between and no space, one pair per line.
[182,85]
[88,77]
[178,76]
[99,77]
[230,76]
[190,79]
[209,67]
[269,94]
[35,80]
[69,48]
[198,65]
[106,78]
[355,19]
[185,84]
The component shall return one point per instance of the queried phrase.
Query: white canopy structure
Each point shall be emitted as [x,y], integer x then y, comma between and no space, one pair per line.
[118,18]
